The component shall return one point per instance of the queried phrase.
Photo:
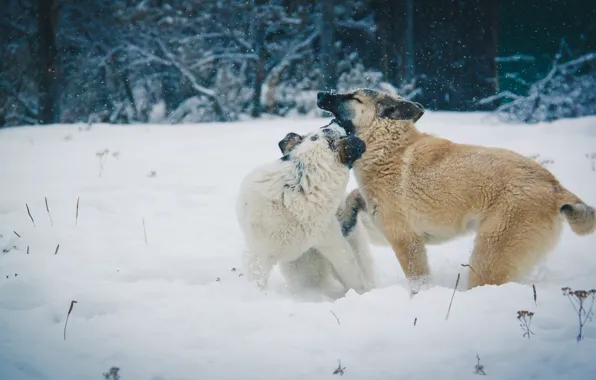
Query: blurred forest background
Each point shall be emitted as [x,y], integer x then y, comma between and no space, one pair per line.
[174,61]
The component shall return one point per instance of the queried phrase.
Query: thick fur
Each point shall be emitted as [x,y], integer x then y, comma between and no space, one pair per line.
[373,233]
[313,269]
[422,189]
[288,206]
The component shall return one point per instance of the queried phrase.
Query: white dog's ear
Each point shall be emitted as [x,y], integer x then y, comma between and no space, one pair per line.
[289,142]
[401,110]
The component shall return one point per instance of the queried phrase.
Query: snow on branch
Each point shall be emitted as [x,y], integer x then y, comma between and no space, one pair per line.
[573,65]
[567,90]
[146,57]
[294,53]
[237,57]
[185,71]
[499,96]
[241,41]
[515,58]
[365,26]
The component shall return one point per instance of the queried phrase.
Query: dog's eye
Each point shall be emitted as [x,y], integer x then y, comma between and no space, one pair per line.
[352,97]
[326,131]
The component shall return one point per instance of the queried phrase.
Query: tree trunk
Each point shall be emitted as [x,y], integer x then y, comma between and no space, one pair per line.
[49,98]
[494,33]
[391,21]
[129,95]
[326,53]
[259,43]
[456,52]
[410,71]
[482,49]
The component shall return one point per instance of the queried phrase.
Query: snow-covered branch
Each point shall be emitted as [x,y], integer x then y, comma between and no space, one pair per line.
[185,71]
[515,58]
[237,57]
[295,52]
[567,90]
[365,26]
[499,96]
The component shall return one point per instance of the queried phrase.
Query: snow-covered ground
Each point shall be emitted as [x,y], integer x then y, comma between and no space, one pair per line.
[174,307]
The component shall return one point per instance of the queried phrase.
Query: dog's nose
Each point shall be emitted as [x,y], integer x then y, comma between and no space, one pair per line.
[321,96]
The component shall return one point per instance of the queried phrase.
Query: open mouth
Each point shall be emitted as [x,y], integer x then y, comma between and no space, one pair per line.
[330,102]
[335,126]
[346,126]
[333,121]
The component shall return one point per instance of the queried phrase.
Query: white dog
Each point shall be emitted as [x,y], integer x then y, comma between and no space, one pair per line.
[288,206]
[312,269]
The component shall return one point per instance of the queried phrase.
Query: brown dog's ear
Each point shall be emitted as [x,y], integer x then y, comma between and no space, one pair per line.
[402,110]
[289,142]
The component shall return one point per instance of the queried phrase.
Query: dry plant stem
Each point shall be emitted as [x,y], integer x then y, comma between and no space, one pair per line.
[48,210]
[525,319]
[336,318]
[415,320]
[29,212]
[578,299]
[468,266]
[112,374]
[479,368]
[339,370]
[27,249]
[100,156]
[57,248]
[77,214]
[453,295]
[535,297]
[588,316]
[68,315]
[145,231]
[15,232]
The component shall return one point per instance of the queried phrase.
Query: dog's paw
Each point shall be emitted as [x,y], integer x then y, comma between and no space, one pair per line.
[418,284]
[355,200]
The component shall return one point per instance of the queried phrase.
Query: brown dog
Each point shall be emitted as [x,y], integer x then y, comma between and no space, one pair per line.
[422,189]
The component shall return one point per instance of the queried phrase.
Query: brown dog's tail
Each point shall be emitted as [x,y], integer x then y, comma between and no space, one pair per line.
[580,216]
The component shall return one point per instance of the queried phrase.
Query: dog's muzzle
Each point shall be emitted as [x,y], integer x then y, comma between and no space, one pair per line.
[326,101]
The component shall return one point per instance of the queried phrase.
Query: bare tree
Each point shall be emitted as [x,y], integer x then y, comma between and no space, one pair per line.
[49,97]
[326,52]
[567,90]
[409,61]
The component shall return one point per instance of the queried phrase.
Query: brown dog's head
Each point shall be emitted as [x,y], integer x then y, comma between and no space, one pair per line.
[345,149]
[357,110]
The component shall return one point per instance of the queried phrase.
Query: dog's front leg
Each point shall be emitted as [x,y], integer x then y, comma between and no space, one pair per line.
[259,267]
[411,254]
[338,251]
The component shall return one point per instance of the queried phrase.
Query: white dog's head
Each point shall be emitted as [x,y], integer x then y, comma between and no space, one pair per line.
[326,145]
